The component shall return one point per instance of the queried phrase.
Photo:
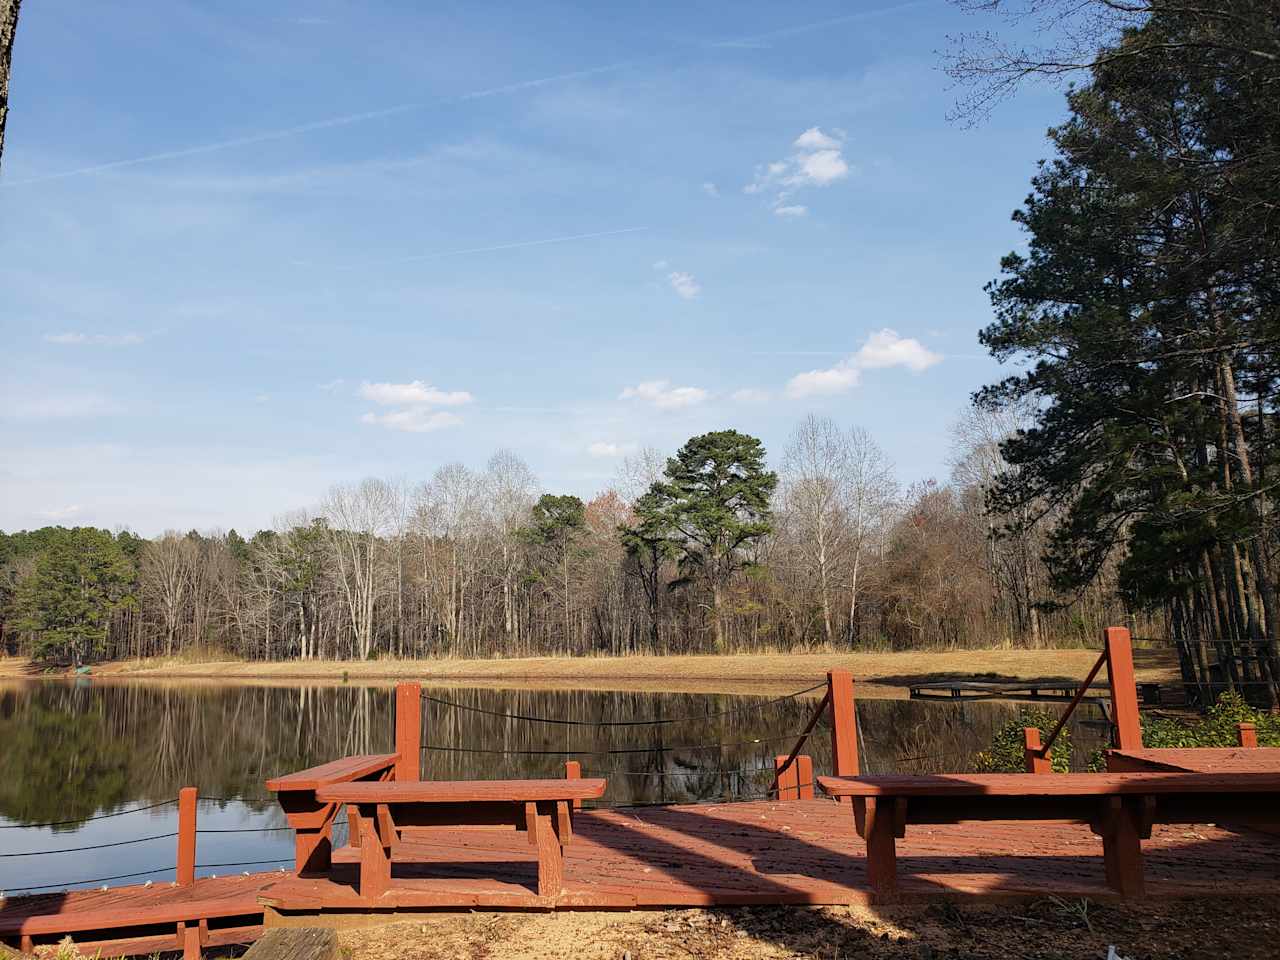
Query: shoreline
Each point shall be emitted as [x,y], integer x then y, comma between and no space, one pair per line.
[877,674]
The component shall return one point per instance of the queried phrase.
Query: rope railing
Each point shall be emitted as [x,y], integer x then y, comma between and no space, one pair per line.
[80,820]
[656,721]
[1075,702]
[96,846]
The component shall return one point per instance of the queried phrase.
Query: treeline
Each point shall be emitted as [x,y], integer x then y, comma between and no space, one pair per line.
[705,551]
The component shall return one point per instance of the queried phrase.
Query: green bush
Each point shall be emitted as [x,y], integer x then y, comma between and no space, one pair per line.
[1007,753]
[1217,729]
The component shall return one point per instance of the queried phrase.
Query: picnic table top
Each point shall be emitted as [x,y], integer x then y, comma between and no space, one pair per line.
[462,791]
[335,771]
[1050,784]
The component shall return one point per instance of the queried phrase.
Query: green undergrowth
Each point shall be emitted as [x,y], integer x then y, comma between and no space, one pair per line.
[1217,728]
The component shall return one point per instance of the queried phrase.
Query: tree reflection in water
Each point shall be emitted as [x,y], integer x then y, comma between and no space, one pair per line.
[69,750]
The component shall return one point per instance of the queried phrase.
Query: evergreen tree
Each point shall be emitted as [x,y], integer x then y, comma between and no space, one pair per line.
[713,507]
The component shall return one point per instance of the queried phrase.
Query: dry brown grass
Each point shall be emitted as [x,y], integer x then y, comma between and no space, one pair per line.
[879,674]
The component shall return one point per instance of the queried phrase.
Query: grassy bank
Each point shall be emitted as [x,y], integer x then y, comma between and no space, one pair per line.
[879,674]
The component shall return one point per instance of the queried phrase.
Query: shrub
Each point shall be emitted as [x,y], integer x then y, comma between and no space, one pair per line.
[1216,729]
[1007,754]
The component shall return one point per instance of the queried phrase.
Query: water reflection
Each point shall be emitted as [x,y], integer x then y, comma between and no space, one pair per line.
[70,752]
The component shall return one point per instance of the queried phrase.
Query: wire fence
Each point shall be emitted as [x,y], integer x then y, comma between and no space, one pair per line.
[745,774]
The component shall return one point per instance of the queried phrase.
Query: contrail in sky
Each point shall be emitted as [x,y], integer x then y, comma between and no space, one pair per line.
[353,118]
[294,131]
[501,246]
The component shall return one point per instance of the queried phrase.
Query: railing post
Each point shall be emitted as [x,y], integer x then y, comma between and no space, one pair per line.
[804,776]
[1036,760]
[1247,734]
[844,725]
[408,731]
[186,872]
[573,771]
[1124,690]
[788,779]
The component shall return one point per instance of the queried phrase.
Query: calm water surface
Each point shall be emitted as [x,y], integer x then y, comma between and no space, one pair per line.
[74,751]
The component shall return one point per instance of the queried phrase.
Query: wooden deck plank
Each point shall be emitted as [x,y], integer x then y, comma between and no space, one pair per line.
[796,852]
[1054,784]
[1197,759]
[462,791]
[346,768]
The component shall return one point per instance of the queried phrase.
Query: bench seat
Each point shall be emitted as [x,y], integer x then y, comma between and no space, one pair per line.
[1119,807]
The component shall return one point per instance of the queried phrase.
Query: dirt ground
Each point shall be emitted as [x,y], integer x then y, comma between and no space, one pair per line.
[879,674]
[1243,928]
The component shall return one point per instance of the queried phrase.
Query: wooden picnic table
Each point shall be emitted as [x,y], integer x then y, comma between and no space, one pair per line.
[1119,807]
[542,808]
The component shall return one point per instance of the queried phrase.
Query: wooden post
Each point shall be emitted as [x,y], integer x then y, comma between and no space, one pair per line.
[1124,690]
[187,798]
[788,780]
[573,771]
[1247,734]
[1036,760]
[804,774]
[844,725]
[408,732]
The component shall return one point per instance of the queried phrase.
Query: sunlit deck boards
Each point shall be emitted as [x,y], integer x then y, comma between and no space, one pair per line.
[798,852]
[1197,760]
[802,852]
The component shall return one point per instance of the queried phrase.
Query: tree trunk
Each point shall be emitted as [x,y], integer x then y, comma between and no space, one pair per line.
[8,28]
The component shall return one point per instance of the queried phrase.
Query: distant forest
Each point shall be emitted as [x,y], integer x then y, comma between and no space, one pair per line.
[705,551]
[1127,466]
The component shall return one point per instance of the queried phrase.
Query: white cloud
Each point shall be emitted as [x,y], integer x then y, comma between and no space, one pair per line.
[882,349]
[415,401]
[818,161]
[815,139]
[710,189]
[885,348]
[684,284]
[660,264]
[663,396]
[61,513]
[71,338]
[415,393]
[601,449]
[413,419]
[750,395]
[839,379]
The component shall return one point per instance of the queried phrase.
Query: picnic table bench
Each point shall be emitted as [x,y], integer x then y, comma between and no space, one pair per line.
[542,808]
[1119,807]
[311,818]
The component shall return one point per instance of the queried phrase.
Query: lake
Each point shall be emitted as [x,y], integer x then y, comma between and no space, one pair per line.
[106,759]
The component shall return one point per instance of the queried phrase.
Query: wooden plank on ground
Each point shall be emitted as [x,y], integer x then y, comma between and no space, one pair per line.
[295,943]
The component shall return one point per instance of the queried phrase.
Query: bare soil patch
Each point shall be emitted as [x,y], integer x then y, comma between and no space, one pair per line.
[1049,928]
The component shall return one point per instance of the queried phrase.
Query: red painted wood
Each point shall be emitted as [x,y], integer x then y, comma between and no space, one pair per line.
[1196,759]
[408,731]
[375,865]
[573,771]
[844,730]
[336,771]
[788,779]
[1036,761]
[1247,735]
[882,855]
[1051,785]
[1124,688]
[189,941]
[459,791]
[550,858]
[186,864]
[804,773]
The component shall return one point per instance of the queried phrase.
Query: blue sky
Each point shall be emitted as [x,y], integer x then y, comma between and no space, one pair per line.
[250,250]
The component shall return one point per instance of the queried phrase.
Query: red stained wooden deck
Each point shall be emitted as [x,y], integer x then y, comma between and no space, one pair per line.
[796,852]
[1197,760]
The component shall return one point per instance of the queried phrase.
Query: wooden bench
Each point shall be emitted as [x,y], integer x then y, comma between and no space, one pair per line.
[1119,807]
[542,808]
[312,819]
